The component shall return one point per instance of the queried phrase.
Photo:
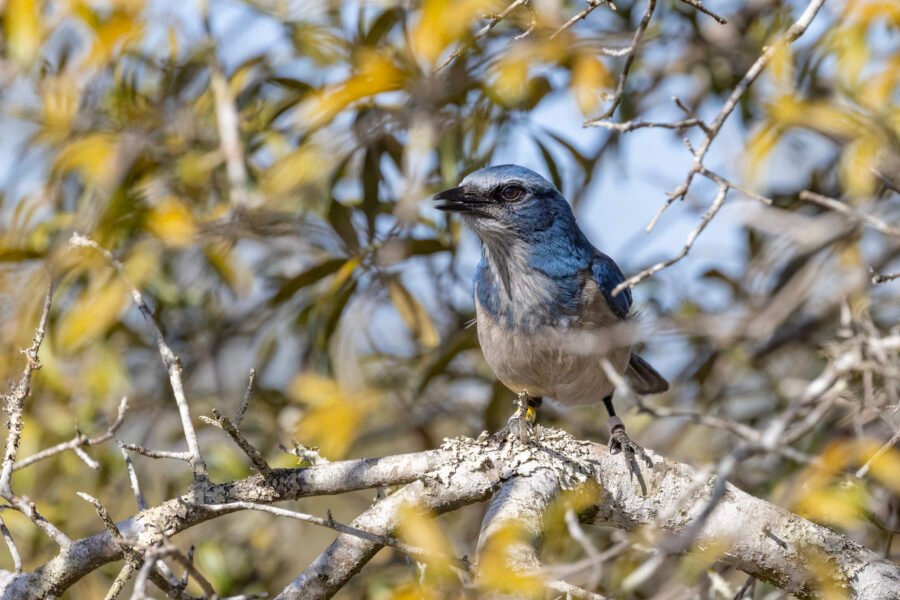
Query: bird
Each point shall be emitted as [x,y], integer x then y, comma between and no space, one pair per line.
[546,314]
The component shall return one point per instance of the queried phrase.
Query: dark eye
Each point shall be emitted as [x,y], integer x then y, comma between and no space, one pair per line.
[512,192]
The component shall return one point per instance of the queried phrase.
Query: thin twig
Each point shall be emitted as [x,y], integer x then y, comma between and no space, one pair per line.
[11,544]
[78,442]
[714,208]
[849,211]
[699,6]
[797,29]
[15,400]
[224,423]
[169,359]
[132,478]
[629,61]
[592,5]
[413,551]
[640,124]
[245,403]
[493,21]
[885,277]
[185,456]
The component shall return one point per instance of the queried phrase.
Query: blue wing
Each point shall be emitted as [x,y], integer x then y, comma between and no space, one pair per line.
[607,276]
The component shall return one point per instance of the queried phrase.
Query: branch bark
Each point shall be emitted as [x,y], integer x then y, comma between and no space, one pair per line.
[756,536]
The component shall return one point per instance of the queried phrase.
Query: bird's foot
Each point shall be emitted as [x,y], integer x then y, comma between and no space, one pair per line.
[521,423]
[619,442]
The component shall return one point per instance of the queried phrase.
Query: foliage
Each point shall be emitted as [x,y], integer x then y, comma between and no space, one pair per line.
[263,169]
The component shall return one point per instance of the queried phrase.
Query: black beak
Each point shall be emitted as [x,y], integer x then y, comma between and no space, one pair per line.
[457,200]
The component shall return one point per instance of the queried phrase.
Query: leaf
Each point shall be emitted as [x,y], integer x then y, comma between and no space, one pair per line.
[781,66]
[334,415]
[376,73]
[760,145]
[443,22]
[23,32]
[590,78]
[510,79]
[304,166]
[92,156]
[172,222]
[306,278]
[421,530]
[495,564]
[551,164]
[413,314]
[858,160]
[99,307]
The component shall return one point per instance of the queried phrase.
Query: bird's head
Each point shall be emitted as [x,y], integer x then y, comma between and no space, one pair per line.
[506,201]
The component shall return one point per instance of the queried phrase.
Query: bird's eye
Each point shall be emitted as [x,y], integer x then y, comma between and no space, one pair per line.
[512,192]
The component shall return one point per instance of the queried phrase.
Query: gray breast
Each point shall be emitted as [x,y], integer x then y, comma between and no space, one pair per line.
[560,361]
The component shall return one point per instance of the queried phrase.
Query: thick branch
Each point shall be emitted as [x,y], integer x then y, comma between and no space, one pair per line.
[760,538]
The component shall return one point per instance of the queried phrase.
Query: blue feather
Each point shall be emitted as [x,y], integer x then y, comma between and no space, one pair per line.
[607,276]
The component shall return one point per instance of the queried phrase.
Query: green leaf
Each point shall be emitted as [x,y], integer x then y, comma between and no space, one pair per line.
[306,278]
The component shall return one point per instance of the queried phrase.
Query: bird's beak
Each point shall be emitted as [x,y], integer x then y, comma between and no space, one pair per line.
[461,200]
[452,200]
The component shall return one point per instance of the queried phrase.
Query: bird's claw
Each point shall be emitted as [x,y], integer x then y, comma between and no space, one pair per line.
[620,442]
[521,423]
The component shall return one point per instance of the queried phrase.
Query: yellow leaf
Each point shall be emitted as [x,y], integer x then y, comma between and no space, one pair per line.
[92,156]
[589,78]
[498,572]
[60,95]
[885,468]
[443,22]
[782,65]
[421,530]
[302,167]
[172,222]
[838,505]
[100,306]
[375,73]
[760,145]
[870,12]
[334,415]
[413,314]
[22,25]
[857,161]
[510,80]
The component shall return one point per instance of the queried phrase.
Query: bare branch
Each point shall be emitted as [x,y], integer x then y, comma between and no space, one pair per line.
[224,423]
[245,403]
[592,5]
[797,29]
[11,544]
[885,277]
[714,208]
[132,478]
[856,215]
[493,21]
[629,61]
[185,456]
[170,361]
[699,6]
[78,442]
[641,124]
[15,400]
[413,551]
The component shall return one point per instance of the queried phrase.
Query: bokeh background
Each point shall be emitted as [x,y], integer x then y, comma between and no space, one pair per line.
[264,171]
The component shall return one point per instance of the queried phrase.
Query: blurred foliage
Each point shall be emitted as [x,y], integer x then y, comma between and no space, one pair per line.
[263,170]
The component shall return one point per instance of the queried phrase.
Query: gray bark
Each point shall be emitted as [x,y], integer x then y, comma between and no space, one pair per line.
[760,538]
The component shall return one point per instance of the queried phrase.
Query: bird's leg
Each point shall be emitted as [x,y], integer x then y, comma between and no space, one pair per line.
[618,439]
[522,421]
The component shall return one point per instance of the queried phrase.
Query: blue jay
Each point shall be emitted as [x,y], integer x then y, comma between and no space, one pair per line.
[543,298]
